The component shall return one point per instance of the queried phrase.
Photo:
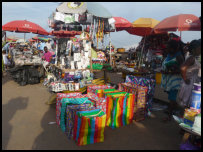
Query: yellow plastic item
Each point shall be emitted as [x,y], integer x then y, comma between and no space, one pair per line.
[190,114]
[158,78]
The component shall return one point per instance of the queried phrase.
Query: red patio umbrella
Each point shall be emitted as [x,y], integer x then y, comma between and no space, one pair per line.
[121,23]
[181,22]
[24,26]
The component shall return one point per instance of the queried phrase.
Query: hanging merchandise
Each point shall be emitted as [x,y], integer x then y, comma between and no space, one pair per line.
[89,18]
[69,18]
[89,127]
[59,16]
[82,18]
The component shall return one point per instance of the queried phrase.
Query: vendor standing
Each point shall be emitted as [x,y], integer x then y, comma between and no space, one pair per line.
[48,44]
[171,77]
[191,73]
[47,55]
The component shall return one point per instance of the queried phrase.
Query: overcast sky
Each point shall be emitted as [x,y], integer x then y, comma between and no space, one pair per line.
[38,12]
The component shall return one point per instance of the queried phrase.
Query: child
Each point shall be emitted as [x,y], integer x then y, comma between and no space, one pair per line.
[5,59]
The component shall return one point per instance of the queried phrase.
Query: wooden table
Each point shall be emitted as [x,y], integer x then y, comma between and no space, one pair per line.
[139,74]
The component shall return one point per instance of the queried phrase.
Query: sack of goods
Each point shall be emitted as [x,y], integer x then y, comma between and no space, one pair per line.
[70,116]
[140,102]
[89,127]
[71,101]
[120,106]
[59,97]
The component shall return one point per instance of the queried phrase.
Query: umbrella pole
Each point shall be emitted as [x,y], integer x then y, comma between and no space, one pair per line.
[56,52]
[24,37]
[110,48]
[180,34]
[142,51]
[5,36]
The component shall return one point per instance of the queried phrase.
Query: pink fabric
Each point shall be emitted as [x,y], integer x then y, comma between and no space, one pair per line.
[47,56]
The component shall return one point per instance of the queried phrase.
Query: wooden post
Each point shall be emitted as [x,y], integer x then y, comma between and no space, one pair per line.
[180,35]
[24,37]
[5,36]
[56,51]
[91,69]
[110,49]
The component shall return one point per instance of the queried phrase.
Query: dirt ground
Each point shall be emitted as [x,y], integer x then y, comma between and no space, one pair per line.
[26,117]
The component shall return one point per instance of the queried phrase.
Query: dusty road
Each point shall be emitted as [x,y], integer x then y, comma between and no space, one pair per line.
[25,118]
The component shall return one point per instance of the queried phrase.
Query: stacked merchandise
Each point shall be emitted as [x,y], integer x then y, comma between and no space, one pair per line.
[189,117]
[59,97]
[197,124]
[84,117]
[68,69]
[58,81]
[145,82]
[74,112]
[81,104]
[118,105]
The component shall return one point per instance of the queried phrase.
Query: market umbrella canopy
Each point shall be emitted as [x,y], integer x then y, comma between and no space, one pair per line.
[181,22]
[142,26]
[121,23]
[82,7]
[72,7]
[24,26]
[98,10]
[145,23]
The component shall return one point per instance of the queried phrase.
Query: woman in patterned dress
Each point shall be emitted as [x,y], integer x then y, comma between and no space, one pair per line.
[171,77]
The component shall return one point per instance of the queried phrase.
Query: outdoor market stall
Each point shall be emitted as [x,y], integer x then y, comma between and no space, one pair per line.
[77,27]
[28,65]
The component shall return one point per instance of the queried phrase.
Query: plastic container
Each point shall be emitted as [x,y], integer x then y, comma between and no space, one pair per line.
[158,78]
[197,87]
[196,100]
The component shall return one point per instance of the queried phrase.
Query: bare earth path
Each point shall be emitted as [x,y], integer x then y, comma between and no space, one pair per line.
[25,118]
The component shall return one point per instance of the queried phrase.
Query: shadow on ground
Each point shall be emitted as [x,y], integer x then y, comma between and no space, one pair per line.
[5,77]
[145,135]
[8,111]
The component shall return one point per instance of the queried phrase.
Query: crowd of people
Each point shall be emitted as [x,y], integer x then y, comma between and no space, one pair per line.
[180,70]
